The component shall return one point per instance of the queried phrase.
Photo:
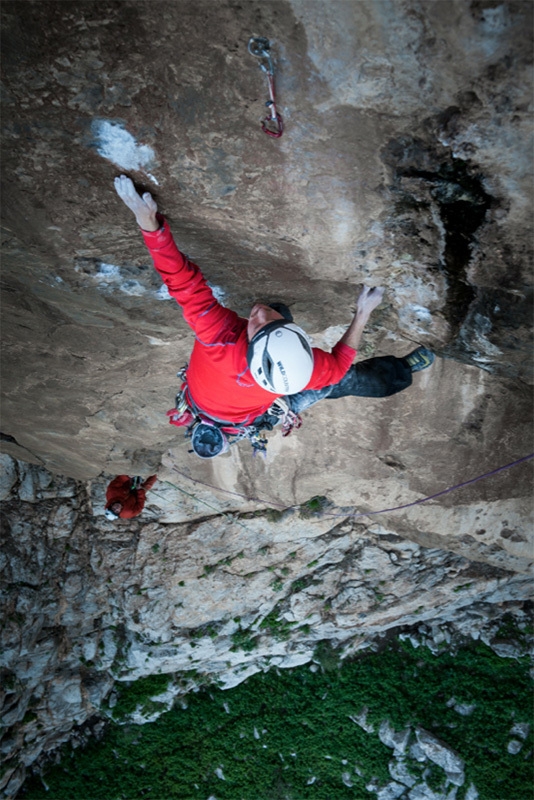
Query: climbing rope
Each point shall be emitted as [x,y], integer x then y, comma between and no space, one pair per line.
[260,47]
[369,513]
[227,514]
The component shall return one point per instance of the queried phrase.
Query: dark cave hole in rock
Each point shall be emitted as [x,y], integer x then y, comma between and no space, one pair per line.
[462,203]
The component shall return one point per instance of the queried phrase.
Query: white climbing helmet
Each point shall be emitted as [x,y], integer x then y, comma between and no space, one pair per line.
[280,358]
[109,514]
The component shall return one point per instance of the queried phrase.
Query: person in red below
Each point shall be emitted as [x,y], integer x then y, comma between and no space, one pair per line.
[240,368]
[126,497]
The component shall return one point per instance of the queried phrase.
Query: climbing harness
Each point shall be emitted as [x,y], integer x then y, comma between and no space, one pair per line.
[260,47]
[211,437]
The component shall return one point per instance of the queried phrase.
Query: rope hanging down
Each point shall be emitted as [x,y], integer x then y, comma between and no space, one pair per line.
[370,513]
[259,47]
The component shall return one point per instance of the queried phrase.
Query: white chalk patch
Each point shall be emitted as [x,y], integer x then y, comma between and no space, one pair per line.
[110,276]
[132,287]
[119,146]
[107,273]
[163,293]
[415,318]
[344,221]
[422,313]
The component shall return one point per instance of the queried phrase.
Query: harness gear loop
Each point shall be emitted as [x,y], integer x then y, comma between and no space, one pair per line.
[209,436]
[259,47]
[290,421]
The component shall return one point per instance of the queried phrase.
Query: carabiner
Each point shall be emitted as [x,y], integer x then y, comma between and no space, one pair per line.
[276,121]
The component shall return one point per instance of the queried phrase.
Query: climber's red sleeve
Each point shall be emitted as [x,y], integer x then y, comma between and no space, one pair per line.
[149,482]
[211,322]
[329,368]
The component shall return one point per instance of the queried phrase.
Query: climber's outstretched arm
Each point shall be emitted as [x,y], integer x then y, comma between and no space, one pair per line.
[145,208]
[368,300]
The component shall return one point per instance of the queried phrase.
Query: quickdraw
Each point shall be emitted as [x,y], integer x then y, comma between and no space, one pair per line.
[259,47]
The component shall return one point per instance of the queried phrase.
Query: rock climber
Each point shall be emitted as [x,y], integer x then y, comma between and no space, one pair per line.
[126,497]
[248,375]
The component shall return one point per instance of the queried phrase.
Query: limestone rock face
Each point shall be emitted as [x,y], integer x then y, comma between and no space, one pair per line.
[405,161]
[220,596]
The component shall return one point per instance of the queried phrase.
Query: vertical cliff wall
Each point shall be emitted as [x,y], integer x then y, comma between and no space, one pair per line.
[405,162]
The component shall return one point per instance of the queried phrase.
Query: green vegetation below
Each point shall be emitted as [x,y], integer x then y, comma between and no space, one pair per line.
[138,694]
[274,733]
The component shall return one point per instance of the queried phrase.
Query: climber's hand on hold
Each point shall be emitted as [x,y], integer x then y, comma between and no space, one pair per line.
[145,208]
[369,299]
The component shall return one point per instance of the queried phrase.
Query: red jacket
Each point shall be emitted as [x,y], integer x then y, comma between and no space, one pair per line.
[133,501]
[218,376]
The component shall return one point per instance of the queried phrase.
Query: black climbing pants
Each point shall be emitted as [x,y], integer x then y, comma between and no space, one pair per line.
[375,377]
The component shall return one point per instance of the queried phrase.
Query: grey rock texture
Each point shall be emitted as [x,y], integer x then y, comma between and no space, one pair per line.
[87,602]
[437,752]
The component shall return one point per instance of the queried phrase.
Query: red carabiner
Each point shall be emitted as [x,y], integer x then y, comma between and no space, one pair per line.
[276,120]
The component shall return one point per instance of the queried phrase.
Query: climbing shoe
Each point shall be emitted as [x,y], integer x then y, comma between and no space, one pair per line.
[419,359]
